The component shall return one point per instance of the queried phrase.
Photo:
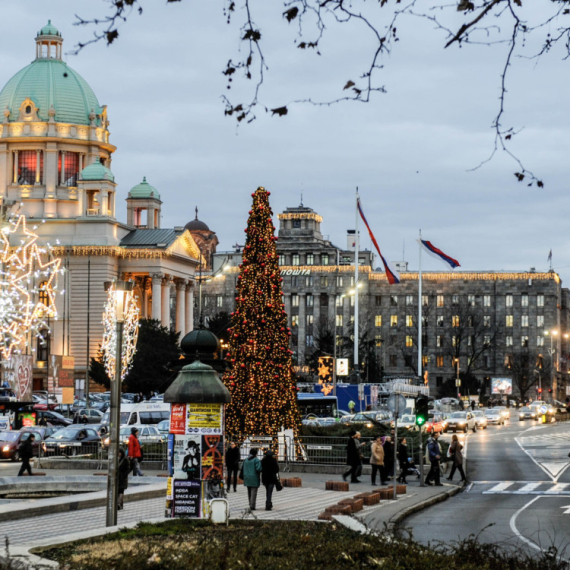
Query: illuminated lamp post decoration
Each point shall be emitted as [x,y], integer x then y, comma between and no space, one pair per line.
[260,381]
[28,282]
[118,312]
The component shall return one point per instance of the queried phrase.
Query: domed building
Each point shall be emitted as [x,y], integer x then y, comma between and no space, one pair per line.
[56,160]
[206,239]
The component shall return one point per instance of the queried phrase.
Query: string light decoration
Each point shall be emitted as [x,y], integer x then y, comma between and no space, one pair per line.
[130,333]
[28,281]
[261,382]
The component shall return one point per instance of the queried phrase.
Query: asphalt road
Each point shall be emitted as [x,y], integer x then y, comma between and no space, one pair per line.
[519,491]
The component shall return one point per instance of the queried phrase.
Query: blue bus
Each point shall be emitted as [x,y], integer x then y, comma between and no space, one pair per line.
[317,405]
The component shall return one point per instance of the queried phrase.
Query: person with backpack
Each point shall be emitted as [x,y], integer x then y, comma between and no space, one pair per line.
[251,479]
[26,451]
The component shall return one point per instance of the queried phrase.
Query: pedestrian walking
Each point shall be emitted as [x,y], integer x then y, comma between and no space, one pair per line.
[388,457]
[135,452]
[123,476]
[269,476]
[472,405]
[404,461]
[456,458]
[26,451]
[351,406]
[251,470]
[353,457]
[434,451]
[232,465]
[377,461]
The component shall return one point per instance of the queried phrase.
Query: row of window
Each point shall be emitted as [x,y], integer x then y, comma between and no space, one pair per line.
[455,321]
[30,168]
[472,300]
[310,259]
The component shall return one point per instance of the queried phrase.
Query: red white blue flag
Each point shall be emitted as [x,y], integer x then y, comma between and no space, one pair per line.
[438,254]
[391,272]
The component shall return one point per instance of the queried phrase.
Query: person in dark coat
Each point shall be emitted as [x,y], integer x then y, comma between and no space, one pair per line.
[123,475]
[456,458]
[269,474]
[404,461]
[353,457]
[434,451]
[26,451]
[389,457]
[232,465]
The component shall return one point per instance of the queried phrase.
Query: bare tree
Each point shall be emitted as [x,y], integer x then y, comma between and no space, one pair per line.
[528,368]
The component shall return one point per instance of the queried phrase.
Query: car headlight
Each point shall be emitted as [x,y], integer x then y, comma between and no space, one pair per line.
[44,447]
[461,423]
[6,448]
[106,441]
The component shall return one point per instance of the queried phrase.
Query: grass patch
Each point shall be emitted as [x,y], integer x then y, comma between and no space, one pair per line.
[182,544]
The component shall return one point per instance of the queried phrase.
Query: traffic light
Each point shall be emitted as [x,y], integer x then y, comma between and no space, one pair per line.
[422,406]
[540,390]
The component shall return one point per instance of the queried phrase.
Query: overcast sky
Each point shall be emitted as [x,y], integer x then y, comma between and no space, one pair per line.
[409,151]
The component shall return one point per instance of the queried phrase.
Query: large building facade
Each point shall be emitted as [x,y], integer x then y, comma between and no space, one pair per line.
[56,161]
[488,324]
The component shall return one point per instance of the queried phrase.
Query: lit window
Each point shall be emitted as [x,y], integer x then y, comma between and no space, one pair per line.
[339,321]
[409,299]
[378,321]
[324,281]
[470,340]
[486,340]
[310,259]
[540,321]
[394,320]
[324,259]
[352,300]
[71,169]
[539,341]
[524,300]
[509,321]
[486,300]
[294,281]
[425,361]
[378,340]
[294,300]
[294,320]
[455,299]
[425,300]
[309,281]
[540,300]
[487,321]
[219,301]
[524,321]
[339,281]
[509,300]
[27,167]
[339,301]
[453,340]
[440,320]
[439,361]
[439,300]
[281,259]
[393,300]
[524,341]
[455,321]
[471,300]
[508,341]
[309,320]
[310,341]
[409,341]
[295,259]
[409,321]
[310,300]
[439,341]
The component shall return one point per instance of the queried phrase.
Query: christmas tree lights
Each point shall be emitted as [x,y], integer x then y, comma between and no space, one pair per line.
[28,283]
[130,333]
[261,382]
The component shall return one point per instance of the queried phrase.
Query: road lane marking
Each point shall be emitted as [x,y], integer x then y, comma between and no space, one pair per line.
[558,488]
[501,487]
[552,469]
[529,487]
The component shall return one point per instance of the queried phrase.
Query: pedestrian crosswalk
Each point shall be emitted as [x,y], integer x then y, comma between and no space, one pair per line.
[522,488]
[548,451]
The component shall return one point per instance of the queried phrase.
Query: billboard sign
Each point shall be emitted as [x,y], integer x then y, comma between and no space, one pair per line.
[501,385]
[342,366]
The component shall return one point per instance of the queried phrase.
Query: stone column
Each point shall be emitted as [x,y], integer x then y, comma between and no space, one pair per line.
[316,313]
[15,180]
[103,202]
[302,329]
[157,296]
[180,306]
[189,305]
[38,162]
[166,284]
[287,302]
[150,218]
[62,179]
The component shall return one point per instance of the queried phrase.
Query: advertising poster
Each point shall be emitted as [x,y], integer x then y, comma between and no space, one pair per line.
[186,457]
[501,386]
[186,498]
[212,457]
[18,373]
[169,488]
[204,419]
[178,419]
[170,455]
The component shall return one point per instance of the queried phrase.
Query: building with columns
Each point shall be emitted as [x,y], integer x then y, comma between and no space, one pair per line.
[56,161]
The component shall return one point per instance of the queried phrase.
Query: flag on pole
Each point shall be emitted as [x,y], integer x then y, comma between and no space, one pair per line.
[391,272]
[438,254]
[550,257]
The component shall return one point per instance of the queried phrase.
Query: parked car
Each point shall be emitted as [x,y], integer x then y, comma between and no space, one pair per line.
[527,413]
[147,434]
[10,442]
[494,417]
[88,416]
[370,419]
[480,419]
[463,421]
[7,395]
[72,440]
[42,396]
[164,427]
[52,418]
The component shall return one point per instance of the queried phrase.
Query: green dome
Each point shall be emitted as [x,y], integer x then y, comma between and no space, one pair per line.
[49,30]
[50,82]
[96,171]
[144,190]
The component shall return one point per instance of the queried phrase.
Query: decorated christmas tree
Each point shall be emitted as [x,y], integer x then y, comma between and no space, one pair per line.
[261,382]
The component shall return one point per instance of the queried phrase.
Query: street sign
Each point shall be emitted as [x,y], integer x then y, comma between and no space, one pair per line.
[325,447]
[342,366]
[396,401]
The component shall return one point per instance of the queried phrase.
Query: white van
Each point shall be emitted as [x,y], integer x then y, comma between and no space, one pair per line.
[144,413]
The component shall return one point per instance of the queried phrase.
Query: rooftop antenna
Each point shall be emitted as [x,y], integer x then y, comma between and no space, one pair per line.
[196,212]
[301,199]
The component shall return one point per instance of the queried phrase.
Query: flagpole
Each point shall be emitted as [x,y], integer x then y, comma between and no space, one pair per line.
[420,312]
[356,255]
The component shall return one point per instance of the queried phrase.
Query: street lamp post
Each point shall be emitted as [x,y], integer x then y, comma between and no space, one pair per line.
[457,380]
[552,350]
[121,289]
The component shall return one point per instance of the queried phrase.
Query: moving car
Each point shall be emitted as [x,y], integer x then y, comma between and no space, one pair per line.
[147,413]
[461,421]
[72,440]
[370,419]
[436,424]
[527,413]
[480,419]
[494,417]
[505,412]
[407,421]
[10,442]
